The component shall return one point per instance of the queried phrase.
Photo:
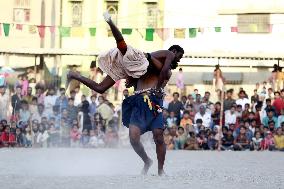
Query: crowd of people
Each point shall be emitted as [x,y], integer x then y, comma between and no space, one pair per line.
[247,123]
[39,117]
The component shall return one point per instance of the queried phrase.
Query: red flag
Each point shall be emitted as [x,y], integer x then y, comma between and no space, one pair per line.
[41,31]
[19,27]
[52,29]
[234,29]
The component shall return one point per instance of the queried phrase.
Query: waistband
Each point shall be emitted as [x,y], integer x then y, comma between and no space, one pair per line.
[150,91]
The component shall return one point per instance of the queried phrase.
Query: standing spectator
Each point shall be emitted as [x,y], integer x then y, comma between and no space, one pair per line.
[16,100]
[85,117]
[180,80]
[204,116]
[184,101]
[39,113]
[75,136]
[72,111]
[254,98]
[206,98]
[25,114]
[78,96]
[49,101]
[280,118]
[105,110]
[229,101]
[62,100]
[29,97]
[216,114]
[242,99]
[176,106]
[269,107]
[40,95]
[4,103]
[279,140]
[25,85]
[93,106]
[279,102]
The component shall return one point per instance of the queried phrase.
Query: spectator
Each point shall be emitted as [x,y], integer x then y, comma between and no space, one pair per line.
[180,139]
[279,103]
[254,98]
[65,133]
[185,120]
[241,142]
[202,140]
[62,100]
[29,97]
[28,137]
[191,143]
[228,141]
[105,110]
[268,142]
[25,85]
[212,142]
[216,114]
[280,118]
[85,117]
[39,113]
[169,141]
[197,103]
[176,106]
[269,117]
[242,99]
[270,107]
[5,136]
[229,101]
[4,103]
[256,142]
[111,136]
[16,100]
[20,142]
[72,111]
[84,140]
[25,114]
[205,116]
[40,95]
[75,136]
[279,140]
[171,120]
[78,96]
[50,100]
[206,98]
[93,105]
[230,116]
[42,136]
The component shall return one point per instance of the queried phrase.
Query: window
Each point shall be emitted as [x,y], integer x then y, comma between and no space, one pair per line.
[254,23]
[152,14]
[21,11]
[76,13]
[112,8]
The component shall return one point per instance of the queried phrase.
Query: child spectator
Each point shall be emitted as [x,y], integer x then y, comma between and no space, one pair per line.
[202,140]
[28,137]
[84,141]
[228,141]
[5,136]
[168,140]
[191,143]
[256,142]
[268,142]
[212,142]
[75,136]
[35,133]
[25,85]
[172,120]
[185,120]
[241,142]
[279,140]
[53,139]
[280,118]
[20,142]
[42,136]
[111,137]
[64,133]
[180,139]
[269,117]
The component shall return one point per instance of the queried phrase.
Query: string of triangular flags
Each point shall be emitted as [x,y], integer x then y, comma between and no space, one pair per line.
[163,33]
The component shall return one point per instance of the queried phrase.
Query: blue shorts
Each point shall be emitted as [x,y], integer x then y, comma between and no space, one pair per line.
[135,111]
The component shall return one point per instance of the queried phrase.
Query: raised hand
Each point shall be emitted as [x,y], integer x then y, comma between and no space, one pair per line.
[107,16]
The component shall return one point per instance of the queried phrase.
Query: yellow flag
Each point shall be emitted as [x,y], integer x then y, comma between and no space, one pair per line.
[77,32]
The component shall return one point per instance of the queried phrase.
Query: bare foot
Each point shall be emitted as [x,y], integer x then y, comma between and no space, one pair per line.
[161,172]
[146,167]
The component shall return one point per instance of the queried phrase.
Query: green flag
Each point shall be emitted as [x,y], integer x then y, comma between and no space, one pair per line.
[149,34]
[64,31]
[126,31]
[192,32]
[6,29]
[217,29]
[92,31]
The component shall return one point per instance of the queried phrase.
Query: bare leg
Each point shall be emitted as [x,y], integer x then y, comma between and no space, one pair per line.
[160,149]
[134,135]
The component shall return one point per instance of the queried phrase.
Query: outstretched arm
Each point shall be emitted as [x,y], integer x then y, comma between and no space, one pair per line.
[107,83]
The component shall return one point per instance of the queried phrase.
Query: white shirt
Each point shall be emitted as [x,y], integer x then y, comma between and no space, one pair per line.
[49,102]
[206,118]
[243,102]
[230,118]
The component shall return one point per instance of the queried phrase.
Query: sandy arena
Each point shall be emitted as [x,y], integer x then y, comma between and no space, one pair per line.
[120,168]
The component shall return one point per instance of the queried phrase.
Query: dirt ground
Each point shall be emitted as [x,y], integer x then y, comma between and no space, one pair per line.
[120,169]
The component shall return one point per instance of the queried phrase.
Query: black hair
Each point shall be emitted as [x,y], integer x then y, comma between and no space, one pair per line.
[177,48]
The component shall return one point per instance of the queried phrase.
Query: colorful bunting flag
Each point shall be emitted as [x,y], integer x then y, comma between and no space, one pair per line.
[32,29]
[126,31]
[253,27]
[52,29]
[149,34]
[0,29]
[6,29]
[179,33]
[217,29]
[64,31]
[234,29]
[201,30]
[92,31]
[163,33]
[77,32]
[19,26]
[41,31]
[192,32]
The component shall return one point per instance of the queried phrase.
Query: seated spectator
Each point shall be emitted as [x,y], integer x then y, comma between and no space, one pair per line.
[84,141]
[42,136]
[212,142]
[216,114]
[205,116]
[28,137]
[172,120]
[65,133]
[280,119]
[256,142]
[241,142]
[202,140]
[271,126]
[169,142]
[228,141]
[180,139]
[242,99]
[20,141]
[269,107]
[185,120]
[269,117]
[245,112]
[239,111]
[53,133]
[111,137]
[95,141]
[230,116]
[268,142]
[75,136]
[165,117]
[5,136]
[191,143]
[279,140]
